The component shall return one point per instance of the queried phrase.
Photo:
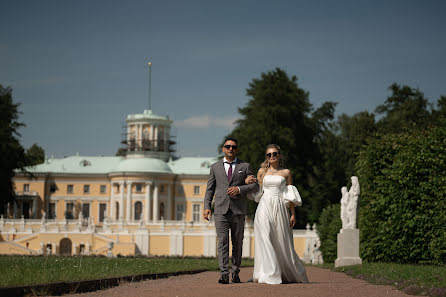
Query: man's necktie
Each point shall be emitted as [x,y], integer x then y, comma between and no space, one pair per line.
[229,172]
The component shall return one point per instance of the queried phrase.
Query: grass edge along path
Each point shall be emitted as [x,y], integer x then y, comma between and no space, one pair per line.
[84,286]
[33,270]
[411,279]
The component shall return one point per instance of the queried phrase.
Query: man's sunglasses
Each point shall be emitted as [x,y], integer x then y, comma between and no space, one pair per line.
[234,147]
[273,154]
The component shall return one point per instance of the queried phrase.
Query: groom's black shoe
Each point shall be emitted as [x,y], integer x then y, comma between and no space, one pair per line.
[224,279]
[235,279]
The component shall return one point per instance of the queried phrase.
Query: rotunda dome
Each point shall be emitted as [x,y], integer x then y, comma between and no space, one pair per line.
[142,165]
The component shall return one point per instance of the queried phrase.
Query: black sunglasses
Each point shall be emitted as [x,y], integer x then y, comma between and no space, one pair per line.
[234,147]
[273,154]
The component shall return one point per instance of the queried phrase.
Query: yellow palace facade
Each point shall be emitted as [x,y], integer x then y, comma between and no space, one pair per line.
[143,203]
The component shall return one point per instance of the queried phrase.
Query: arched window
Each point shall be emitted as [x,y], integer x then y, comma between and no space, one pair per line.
[117,210]
[146,144]
[132,141]
[65,247]
[138,211]
[162,210]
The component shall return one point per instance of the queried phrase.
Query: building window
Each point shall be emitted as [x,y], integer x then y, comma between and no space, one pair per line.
[26,209]
[86,189]
[26,188]
[117,188]
[138,211]
[196,190]
[102,210]
[86,210]
[103,189]
[70,189]
[52,188]
[162,211]
[196,212]
[51,211]
[162,188]
[180,190]
[69,211]
[180,212]
[117,211]
[82,249]
[138,188]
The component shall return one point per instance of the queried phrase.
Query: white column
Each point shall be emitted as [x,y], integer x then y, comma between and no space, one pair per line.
[155,136]
[152,135]
[34,209]
[166,140]
[128,133]
[121,203]
[140,134]
[15,215]
[169,202]
[128,215]
[111,209]
[155,215]
[137,136]
[148,201]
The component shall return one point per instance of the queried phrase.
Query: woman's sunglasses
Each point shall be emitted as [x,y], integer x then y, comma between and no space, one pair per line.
[273,154]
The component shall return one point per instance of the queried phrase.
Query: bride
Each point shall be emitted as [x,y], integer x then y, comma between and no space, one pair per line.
[275,260]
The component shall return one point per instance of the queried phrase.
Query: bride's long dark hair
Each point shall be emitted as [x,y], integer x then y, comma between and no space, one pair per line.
[265,164]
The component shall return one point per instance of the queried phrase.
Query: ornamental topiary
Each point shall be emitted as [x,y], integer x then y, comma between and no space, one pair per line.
[328,227]
[402,214]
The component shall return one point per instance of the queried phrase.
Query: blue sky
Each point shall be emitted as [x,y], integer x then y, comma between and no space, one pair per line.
[78,68]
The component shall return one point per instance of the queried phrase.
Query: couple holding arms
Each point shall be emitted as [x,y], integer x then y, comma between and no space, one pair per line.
[231,181]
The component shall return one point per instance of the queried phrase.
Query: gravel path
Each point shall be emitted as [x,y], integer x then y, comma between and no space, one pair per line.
[323,282]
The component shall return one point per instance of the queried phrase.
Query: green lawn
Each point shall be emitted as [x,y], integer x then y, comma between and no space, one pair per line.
[30,270]
[412,279]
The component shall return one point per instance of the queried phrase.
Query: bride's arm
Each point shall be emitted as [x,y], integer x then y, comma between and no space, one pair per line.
[289,181]
[256,195]
[288,177]
[293,215]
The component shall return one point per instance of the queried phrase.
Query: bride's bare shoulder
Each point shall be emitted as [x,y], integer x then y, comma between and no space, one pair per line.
[285,172]
[261,172]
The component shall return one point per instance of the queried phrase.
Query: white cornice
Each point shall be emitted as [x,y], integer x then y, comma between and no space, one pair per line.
[74,198]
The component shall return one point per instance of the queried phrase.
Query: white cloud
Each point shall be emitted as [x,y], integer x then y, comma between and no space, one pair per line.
[207,121]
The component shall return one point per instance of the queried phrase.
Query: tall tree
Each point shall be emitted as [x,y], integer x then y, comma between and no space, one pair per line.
[328,172]
[34,155]
[405,109]
[353,132]
[439,114]
[12,154]
[279,112]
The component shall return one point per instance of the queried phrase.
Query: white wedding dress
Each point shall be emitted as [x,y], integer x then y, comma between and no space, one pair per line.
[275,260]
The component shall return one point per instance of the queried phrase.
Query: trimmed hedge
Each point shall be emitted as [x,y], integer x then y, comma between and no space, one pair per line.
[328,227]
[402,214]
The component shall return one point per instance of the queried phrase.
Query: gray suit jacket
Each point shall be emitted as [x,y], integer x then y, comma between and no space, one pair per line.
[218,185]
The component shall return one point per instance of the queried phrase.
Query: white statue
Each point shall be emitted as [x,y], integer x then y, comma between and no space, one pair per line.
[344,204]
[316,257]
[110,245]
[352,207]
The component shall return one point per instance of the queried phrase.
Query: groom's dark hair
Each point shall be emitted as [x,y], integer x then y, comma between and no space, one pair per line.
[230,138]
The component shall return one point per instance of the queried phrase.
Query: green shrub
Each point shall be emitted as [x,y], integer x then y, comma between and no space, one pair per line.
[328,227]
[402,214]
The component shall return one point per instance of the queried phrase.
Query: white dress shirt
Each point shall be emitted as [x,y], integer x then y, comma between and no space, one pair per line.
[226,163]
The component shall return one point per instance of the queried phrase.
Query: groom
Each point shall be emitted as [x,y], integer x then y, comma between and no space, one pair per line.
[227,182]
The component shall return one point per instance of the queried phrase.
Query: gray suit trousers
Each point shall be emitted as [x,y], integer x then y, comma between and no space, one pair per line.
[224,222]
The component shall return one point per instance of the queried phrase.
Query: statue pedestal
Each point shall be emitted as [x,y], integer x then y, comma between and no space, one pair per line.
[348,248]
